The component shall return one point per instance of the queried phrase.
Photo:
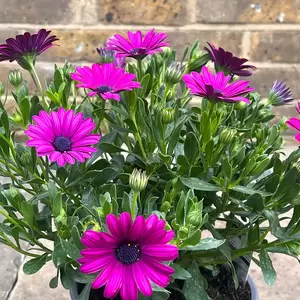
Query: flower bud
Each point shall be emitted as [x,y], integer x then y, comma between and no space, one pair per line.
[16,118]
[138,180]
[282,124]
[174,72]
[168,115]
[227,135]
[195,218]
[183,232]
[15,78]
[1,89]
[239,105]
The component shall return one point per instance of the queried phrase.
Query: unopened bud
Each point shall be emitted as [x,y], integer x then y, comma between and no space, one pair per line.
[174,72]
[227,135]
[138,180]
[91,225]
[183,232]
[15,78]
[195,218]
[168,115]
[24,155]
[16,118]
[239,105]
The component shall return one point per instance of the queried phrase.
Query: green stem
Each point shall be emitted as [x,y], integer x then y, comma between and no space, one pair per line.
[134,202]
[140,69]
[37,82]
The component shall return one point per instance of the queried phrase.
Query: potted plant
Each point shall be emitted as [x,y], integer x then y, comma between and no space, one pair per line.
[143,193]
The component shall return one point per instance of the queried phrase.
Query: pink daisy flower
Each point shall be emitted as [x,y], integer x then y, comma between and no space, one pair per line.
[130,256]
[217,87]
[63,136]
[136,46]
[105,80]
[294,123]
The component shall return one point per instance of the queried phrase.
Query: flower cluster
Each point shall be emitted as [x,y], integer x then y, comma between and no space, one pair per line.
[125,185]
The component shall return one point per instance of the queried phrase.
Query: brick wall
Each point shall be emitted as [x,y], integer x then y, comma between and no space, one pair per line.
[267,32]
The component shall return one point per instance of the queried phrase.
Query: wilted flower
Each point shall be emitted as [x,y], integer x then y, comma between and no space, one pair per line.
[26,47]
[63,136]
[136,46]
[15,78]
[294,123]
[217,87]
[227,63]
[130,256]
[138,180]
[174,72]
[109,56]
[280,94]
[105,80]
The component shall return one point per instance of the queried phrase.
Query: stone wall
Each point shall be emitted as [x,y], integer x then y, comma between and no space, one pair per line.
[266,32]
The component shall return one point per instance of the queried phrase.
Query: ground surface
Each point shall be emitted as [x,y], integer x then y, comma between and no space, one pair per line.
[15,285]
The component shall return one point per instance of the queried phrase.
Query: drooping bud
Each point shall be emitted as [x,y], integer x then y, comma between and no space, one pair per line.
[138,180]
[227,135]
[15,78]
[174,72]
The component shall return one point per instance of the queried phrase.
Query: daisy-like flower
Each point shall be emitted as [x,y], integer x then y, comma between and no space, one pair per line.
[130,256]
[229,64]
[63,136]
[109,56]
[105,80]
[136,46]
[217,87]
[294,123]
[280,94]
[26,47]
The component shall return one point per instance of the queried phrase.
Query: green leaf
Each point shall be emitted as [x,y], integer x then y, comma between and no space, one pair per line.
[5,122]
[256,201]
[70,249]
[198,184]
[209,151]
[227,168]
[267,267]
[77,276]
[76,238]
[180,273]
[57,205]
[175,135]
[25,110]
[194,287]
[179,209]
[191,147]
[110,148]
[193,239]
[249,191]
[260,167]
[272,183]
[28,213]
[205,244]
[59,255]
[34,265]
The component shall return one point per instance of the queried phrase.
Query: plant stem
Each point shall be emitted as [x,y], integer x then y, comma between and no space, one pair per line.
[37,82]
[134,202]
[140,69]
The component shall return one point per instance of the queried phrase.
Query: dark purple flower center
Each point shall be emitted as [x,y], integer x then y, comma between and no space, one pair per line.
[138,51]
[62,144]
[128,253]
[217,91]
[103,89]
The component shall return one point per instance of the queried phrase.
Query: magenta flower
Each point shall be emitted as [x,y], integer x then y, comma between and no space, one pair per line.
[105,80]
[110,56]
[294,123]
[136,46]
[130,256]
[217,87]
[280,94]
[26,47]
[229,64]
[63,136]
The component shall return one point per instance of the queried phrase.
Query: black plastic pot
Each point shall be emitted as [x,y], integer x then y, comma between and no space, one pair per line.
[254,292]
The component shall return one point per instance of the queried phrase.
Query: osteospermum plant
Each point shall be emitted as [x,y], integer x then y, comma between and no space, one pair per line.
[158,177]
